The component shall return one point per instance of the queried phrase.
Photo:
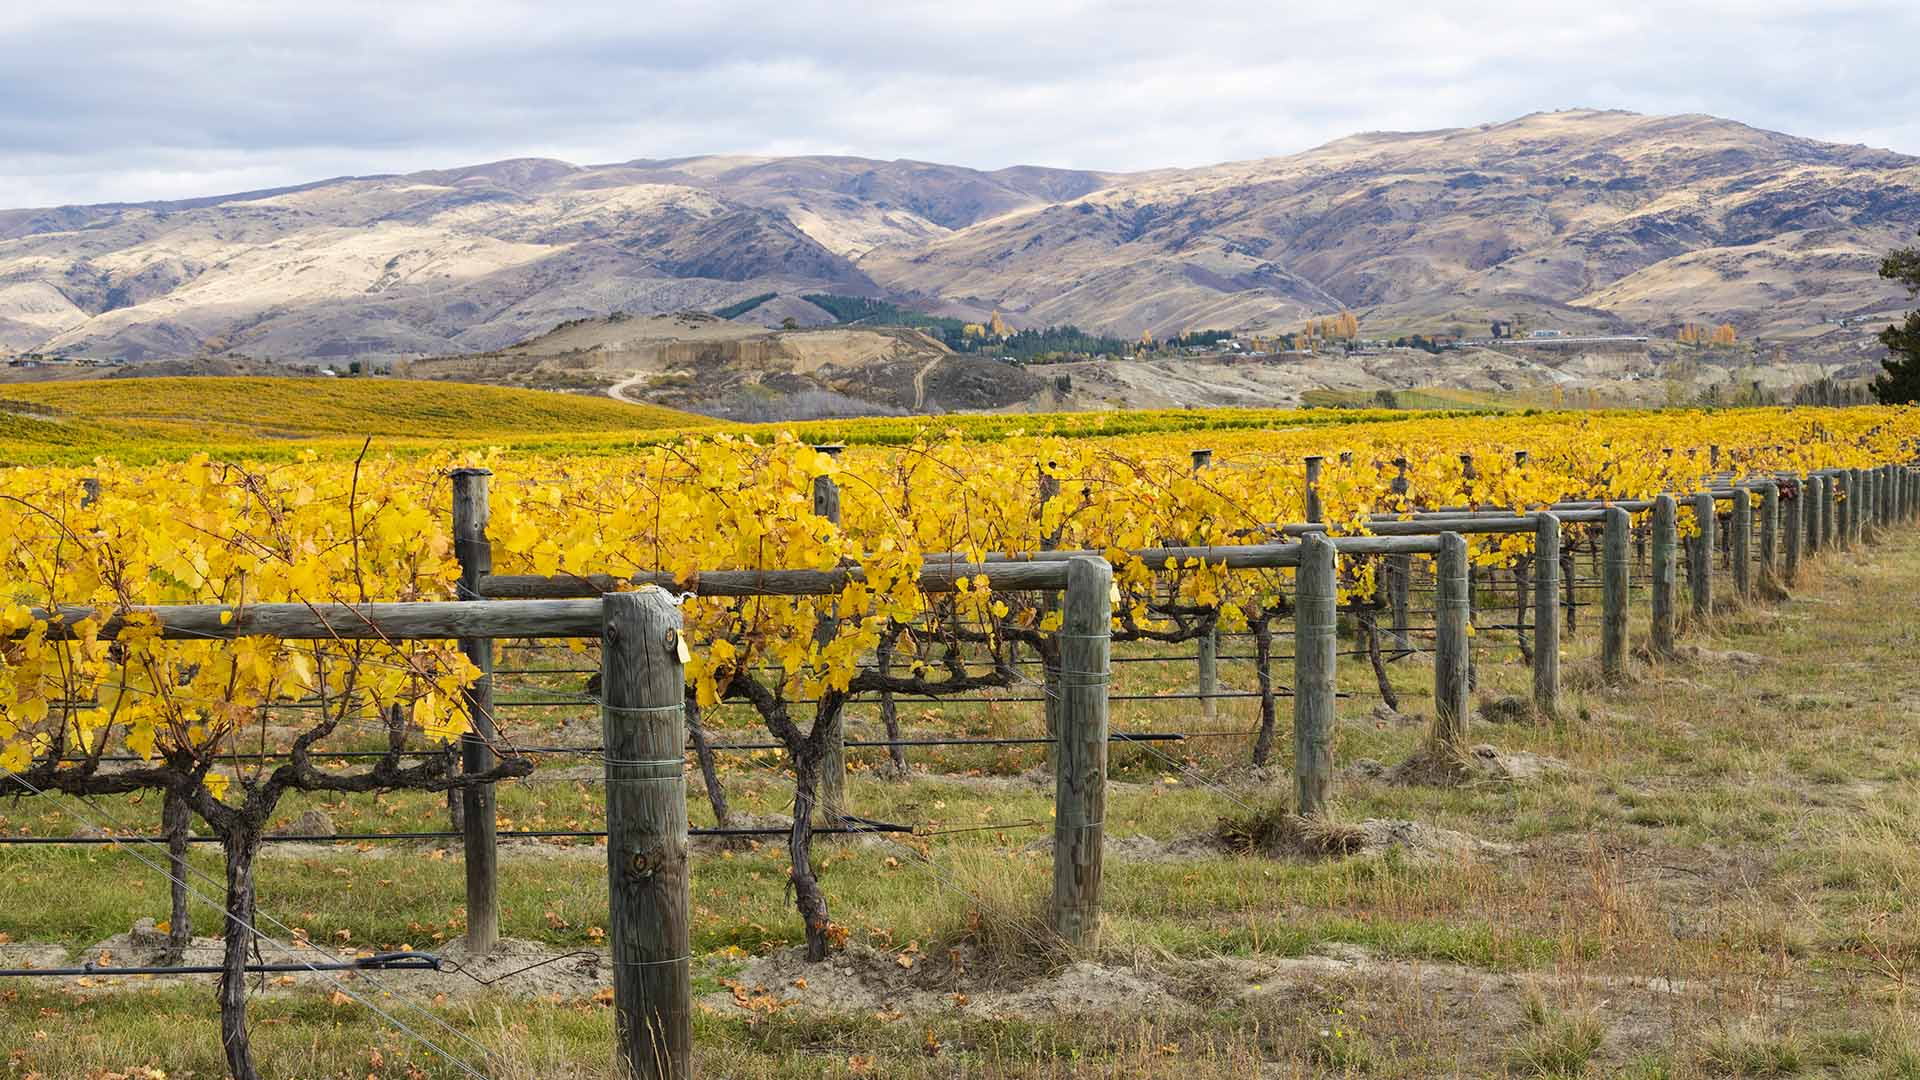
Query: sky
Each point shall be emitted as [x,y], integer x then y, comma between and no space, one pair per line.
[106,101]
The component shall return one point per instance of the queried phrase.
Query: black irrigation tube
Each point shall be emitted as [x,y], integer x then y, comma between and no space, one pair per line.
[535,751]
[391,961]
[861,825]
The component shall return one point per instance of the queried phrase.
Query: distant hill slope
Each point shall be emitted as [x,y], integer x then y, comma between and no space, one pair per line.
[172,417]
[740,371]
[1583,220]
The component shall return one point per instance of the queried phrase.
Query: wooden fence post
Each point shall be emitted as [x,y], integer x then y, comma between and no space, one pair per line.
[1615,566]
[1862,490]
[475,555]
[1450,644]
[1546,614]
[1829,510]
[1740,525]
[1843,509]
[1666,541]
[1700,578]
[1314,650]
[1862,495]
[1208,661]
[1315,511]
[1400,567]
[1050,668]
[643,719]
[1469,477]
[1793,528]
[1769,533]
[1080,750]
[1859,493]
[833,758]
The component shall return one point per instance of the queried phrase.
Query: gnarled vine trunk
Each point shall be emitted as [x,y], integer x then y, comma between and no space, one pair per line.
[176,819]
[1263,670]
[241,845]
[709,774]
[807,897]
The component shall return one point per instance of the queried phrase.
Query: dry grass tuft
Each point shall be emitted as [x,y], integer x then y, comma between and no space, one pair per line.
[1279,831]
[1748,1048]
[1558,1042]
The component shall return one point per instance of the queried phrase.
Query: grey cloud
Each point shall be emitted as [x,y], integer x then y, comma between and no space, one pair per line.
[134,101]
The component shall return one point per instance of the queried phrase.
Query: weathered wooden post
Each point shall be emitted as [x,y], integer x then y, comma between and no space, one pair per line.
[1666,541]
[1468,477]
[1793,527]
[643,720]
[1400,567]
[1050,668]
[1700,578]
[1450,643]
[1314,649]
[1769,533]
[833,758]
[1209,656]
[1080,750]
[1615,566]
[1741,527]
[474,553]
[1861,491]
[1843,509]
[89,491]
[1861,481]
[1815,513]
[1829,510]
[1315,511]
[1546,614]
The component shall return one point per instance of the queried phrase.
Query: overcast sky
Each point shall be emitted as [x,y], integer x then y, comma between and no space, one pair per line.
[109,100]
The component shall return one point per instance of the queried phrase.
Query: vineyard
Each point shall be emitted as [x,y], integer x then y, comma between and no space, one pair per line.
[751,752]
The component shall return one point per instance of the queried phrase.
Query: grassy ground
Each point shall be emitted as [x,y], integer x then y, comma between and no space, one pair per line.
[148,419]
[1717,885]
[162,419]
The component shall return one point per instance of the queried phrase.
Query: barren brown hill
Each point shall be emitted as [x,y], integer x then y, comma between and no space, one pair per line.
[1581,220]
[711,365]
[1584,220]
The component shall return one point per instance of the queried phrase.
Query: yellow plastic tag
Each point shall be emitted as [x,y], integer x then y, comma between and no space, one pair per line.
[1113,593]
[680,641]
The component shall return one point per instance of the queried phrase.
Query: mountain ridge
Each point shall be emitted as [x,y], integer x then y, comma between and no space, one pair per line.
[1591,220]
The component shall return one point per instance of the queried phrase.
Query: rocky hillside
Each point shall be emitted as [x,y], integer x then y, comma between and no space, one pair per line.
[1581,220]
[697,361]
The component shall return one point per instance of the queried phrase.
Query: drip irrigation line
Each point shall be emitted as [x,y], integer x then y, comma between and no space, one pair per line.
[253,931]
[390,961]
[536,751]
[860,825]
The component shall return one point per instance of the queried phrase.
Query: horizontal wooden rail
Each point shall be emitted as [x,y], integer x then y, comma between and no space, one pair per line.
[1023,570]
[934,577]
[360,622]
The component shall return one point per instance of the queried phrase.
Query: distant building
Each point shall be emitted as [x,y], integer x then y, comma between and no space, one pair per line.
[1503,328]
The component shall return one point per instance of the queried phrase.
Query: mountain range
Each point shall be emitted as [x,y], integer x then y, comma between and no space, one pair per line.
[1581,220]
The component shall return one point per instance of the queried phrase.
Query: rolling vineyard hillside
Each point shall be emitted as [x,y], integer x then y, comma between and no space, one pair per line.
[210,646]
[146,419]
